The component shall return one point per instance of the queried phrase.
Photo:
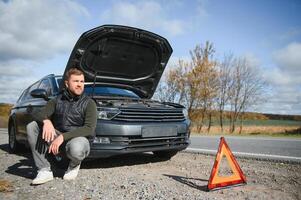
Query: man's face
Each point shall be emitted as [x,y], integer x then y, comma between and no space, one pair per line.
[75,84]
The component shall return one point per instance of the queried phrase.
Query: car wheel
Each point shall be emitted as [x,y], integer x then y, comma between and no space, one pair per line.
[165,154]
[13,144]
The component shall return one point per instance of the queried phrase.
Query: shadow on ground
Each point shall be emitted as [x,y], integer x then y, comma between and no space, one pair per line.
[122,160]
[23,167]
[189,181]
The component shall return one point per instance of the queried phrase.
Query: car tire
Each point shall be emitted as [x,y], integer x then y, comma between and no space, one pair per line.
[168,154]
[13,145]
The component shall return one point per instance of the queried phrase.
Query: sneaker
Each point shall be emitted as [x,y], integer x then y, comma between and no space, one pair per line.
[43,177]
[71,173]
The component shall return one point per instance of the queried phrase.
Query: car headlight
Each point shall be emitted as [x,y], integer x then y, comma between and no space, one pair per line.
[107,113]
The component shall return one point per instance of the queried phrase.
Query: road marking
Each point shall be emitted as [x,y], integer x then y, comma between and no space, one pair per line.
[269,138]
[246,154]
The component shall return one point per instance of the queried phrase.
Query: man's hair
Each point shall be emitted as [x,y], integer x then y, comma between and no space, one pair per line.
[73,71]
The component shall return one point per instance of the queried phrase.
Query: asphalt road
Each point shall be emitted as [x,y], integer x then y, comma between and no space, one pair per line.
[281,149]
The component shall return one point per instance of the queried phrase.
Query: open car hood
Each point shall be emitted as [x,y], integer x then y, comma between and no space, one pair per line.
[120,55]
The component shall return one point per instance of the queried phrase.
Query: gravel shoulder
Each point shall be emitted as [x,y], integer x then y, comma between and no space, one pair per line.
[143,176]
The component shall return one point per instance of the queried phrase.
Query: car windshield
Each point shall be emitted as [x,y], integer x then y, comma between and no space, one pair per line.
[106,90]
[109,91]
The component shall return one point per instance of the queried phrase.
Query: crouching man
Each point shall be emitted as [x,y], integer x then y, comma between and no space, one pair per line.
[64,125]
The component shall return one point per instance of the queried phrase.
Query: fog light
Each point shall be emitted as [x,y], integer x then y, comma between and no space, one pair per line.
[102,140]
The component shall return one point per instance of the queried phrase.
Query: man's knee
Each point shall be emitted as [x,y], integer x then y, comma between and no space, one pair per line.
[78,148]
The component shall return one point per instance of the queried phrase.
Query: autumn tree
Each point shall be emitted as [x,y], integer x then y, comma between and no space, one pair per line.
[193,84]
[204,85]
[201,83]
[172,86]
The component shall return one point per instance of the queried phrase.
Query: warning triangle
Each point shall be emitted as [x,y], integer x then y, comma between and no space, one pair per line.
[216,181]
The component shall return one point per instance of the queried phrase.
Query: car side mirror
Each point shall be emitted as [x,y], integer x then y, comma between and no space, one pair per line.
[39,93]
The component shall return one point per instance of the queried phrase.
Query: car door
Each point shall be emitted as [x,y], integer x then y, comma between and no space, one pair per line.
[36,104]
[22,109]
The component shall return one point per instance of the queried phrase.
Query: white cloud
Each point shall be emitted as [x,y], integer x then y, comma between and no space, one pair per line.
[252,60]
[32,32]
[289,58]
[144,14]
[15,77]
[284,100]
[37,29]
[287,71]
[285,80]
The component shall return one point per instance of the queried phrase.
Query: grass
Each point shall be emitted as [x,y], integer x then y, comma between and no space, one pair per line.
[5,186]
[255,130]
[260,123]
[273,128]
[3,122]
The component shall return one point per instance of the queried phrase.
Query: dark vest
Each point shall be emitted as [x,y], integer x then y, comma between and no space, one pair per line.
[69,111]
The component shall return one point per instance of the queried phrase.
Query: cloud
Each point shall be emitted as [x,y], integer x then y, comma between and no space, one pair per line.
[285,80]
[144,14]
[289,58]
[35,30]
[288,66]
[15,77]
[284,100]
[32,32]
[252,60]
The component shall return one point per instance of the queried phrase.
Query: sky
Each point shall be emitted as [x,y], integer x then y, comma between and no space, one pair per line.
[37,37]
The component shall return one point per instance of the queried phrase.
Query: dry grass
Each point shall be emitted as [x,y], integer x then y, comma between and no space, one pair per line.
[254,130]
[3,122]
[5,186]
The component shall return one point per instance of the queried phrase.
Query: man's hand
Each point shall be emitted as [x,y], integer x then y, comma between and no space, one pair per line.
[55,145]
[48,131]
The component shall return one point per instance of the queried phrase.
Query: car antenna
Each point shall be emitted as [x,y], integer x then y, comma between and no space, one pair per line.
[94,83]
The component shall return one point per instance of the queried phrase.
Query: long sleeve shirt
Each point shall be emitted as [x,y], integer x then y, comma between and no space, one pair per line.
[89,122]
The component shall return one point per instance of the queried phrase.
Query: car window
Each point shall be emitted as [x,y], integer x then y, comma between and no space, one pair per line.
[45,84]
[31,88]
[58,81]
[21,96]
[109,91]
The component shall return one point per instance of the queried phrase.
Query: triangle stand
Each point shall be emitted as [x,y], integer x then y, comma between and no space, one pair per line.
[216,181]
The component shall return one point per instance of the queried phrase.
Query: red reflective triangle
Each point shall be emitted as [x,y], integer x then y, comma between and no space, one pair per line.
[216,181]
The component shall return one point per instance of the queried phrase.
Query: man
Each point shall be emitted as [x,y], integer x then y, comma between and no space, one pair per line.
[69,119]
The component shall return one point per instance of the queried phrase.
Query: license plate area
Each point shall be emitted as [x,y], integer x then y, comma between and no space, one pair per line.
[158,131]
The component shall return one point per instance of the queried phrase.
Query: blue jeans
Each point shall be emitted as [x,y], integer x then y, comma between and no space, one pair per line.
[77,149]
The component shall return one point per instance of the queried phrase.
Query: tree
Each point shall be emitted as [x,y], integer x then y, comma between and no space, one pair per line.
[171,88]
[202,83]
[246,90]
[224,85]
[193,84]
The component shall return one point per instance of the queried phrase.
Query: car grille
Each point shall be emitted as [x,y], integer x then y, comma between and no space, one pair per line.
[137,142]
[150,115]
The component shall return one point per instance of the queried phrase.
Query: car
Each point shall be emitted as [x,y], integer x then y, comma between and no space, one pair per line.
[122,68]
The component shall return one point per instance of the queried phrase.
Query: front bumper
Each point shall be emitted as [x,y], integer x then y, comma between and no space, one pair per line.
[142,137]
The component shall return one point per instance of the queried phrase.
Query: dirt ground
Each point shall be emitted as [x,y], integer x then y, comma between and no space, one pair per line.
[143,176]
